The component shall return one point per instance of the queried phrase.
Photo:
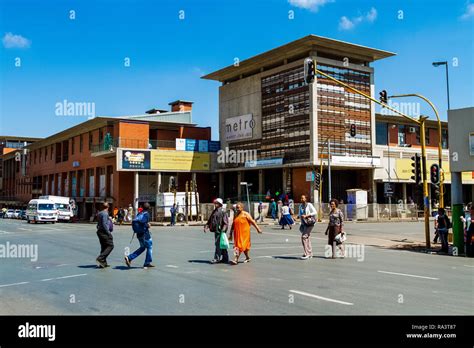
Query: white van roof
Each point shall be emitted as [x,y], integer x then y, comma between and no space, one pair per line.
[40,200]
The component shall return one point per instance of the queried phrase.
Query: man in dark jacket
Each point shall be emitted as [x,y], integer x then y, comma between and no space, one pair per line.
[105,237]
[144,238]
[218,223]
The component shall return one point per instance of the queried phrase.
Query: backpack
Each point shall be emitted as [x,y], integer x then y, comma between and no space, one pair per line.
[111,226]
[138,225]
[445,222]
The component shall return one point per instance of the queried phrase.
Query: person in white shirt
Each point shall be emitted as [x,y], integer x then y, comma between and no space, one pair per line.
[307,214]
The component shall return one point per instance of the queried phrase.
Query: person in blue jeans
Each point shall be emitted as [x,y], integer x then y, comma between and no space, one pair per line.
[173,214]
[144,238]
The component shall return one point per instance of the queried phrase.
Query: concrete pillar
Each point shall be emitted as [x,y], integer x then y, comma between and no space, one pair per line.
[135,192]
[221,184]
[159,189]
[404,191]
[284,177]
[261,182]
[457,210]
[374,186]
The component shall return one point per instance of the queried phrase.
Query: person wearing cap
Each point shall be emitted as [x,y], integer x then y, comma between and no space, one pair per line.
[218,223]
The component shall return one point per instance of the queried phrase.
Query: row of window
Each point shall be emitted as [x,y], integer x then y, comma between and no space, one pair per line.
[61,149]
[382,135]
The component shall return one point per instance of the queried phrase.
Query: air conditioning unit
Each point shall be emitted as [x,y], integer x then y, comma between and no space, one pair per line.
[412,130]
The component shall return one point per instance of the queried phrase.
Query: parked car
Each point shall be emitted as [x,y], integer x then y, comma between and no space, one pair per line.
[23,215]
[16,214]
[10,213]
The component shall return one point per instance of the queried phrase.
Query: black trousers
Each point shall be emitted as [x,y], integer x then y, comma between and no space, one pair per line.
[220,252]
[106,244]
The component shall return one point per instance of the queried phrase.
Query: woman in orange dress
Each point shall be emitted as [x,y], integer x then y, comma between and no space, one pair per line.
[240,232]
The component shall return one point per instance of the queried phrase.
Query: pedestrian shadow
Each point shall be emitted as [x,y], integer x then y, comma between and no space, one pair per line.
[295,257]
[87,266]
[200,261]
[125,268]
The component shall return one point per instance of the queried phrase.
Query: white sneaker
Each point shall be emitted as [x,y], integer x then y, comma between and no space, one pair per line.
[305,257]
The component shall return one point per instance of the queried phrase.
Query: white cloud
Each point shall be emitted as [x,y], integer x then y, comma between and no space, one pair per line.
[15,41]
[371,15]
[469,12]
[312,5]
[346,23]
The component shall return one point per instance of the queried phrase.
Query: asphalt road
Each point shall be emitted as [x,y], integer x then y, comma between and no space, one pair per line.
[374,280]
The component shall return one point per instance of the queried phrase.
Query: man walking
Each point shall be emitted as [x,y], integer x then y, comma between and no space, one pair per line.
[218,223]
[173,214]
[273,209]
[141,226]
[105,237]
[443,224]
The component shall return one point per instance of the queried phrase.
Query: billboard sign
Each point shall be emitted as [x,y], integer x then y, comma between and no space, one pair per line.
[133,159]
[203,146]
[214,146]
[180,144]
[191,145]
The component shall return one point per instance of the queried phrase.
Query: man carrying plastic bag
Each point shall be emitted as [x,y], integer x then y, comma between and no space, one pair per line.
[218,223]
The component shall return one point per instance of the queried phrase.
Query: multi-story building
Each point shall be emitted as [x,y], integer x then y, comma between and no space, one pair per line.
[11,144]
[397,141]
[122,160]
[266,106]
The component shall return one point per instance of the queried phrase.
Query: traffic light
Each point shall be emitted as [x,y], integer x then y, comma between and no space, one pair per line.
[383,96]
[317,181]
[353,130]
[434,174]
[309,70]
[416,164]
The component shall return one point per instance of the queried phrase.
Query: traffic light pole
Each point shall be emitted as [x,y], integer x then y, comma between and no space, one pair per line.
[420,122]
[425,182]
[440,142]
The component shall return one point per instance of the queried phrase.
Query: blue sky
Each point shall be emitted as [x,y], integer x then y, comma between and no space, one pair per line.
[82,60]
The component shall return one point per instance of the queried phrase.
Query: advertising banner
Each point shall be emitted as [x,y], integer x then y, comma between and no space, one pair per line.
[133,159]
[214,146]
[191,145]
[180,144]
[203,146]
[179,160]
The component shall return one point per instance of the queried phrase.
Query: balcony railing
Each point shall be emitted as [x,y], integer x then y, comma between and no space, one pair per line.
[109,145]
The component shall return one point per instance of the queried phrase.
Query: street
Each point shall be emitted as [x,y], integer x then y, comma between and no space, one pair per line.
[65,280]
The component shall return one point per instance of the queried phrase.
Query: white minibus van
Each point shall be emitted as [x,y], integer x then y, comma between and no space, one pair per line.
[41,210]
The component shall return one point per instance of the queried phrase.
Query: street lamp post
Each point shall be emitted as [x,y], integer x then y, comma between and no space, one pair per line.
[246,184]
[389,175]
[445,63]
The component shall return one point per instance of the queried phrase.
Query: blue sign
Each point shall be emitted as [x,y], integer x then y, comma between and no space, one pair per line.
[203,145]
[214,146]
[191,145]
[264,162]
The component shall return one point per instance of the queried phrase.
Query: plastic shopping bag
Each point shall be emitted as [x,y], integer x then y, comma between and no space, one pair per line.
[224,243]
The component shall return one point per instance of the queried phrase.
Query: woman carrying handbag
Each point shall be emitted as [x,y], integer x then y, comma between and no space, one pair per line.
[336,236]
[307,215]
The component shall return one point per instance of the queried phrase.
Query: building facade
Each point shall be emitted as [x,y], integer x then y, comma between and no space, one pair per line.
[122,160]
[266,107]
[397,141]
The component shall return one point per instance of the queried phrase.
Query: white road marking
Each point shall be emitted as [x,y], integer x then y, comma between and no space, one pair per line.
[408,275]
[25,229]
[270,256]
[262,248]
[468,265]
[13,284]
[72,276]
[172,266]
[63,264]
[321,298]
[5,232]
[47,279]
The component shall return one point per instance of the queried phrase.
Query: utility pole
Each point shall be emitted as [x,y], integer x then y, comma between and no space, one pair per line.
[425,182]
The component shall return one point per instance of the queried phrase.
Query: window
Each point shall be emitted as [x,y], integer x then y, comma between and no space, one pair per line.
[45,154]
[444,139]
[402,137]
[101,135]
[427,135]
[81,143]
[52,151]
[90,140]
[40,155]
[381,133]
[72,145]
